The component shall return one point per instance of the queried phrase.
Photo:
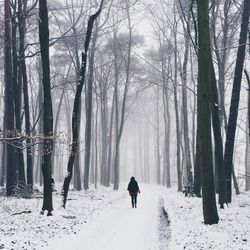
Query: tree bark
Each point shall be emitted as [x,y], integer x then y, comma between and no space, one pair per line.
[17,87]
[53,160]
[233,113]
[188,163]
[166,116]
[157,137]
[219,163]
[96,147]
[22,5]
[177,120]
[3,161]
[88,103]
[204,115]
[104,136]
[197,174]
[247,153]
[9,102]
[110,141]
[48,114]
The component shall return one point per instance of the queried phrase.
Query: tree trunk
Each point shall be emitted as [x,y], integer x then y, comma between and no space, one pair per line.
[157,139]
[247,164]
[22,5]
[219,163]
[53,160]
[89,91]
[104,137]
[77,169]
[166,116]
[96,147]
[117,141]
[3,161]
[204,115]
[140,142]
[247,154]
[110,141]
[233,113]
[188,164]
[177,120]
[48,114]
[2,151]
[197,174]
[75,135]
[222,55]
[38,174]
[17,87]
[9,102]
[119,129]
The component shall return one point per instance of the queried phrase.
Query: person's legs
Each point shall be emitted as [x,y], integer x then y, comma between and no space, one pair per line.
[135,201]
[132,200]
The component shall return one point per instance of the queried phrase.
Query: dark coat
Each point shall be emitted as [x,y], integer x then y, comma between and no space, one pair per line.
[133,187]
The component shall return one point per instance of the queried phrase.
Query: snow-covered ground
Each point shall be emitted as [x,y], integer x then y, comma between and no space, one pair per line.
[189,232]
[118,227]
[104,220]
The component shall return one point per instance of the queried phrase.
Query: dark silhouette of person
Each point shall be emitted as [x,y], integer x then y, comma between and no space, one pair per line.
[133,189]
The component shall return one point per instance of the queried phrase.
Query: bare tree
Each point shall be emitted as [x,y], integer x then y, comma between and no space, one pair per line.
[75,135]
[48,114]
[204,115]
[9,101]
[233,113]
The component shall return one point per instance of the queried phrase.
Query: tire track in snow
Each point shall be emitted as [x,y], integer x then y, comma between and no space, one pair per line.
[164,231]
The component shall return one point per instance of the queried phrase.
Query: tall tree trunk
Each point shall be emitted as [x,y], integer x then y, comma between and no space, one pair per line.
[53,160]
[140,143]
[197,173]
[177,120]
[222,55]
[9,101]
[3,161]
[41,122]
[104,137]
[166,116]
[157,139]
[48,114]
[194,104]
[188,164]
[117,141]
[219,163]
[247,164]
[3,151]
[22,5]
[233,113]
[75,135]
[110,141]
[77,171]
[204,115]
[146,153]
[167,151]
[17,87]
[89,91]
[96,147]
[247,154]
[119,129]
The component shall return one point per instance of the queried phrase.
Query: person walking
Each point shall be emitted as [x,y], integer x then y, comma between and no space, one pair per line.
[133,189]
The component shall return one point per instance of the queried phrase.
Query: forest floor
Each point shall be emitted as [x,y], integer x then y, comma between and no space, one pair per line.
[103,219]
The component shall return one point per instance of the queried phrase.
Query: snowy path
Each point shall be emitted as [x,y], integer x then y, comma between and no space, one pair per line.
[118,227]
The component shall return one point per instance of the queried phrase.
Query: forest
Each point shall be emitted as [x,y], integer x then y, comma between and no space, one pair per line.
[93,92]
